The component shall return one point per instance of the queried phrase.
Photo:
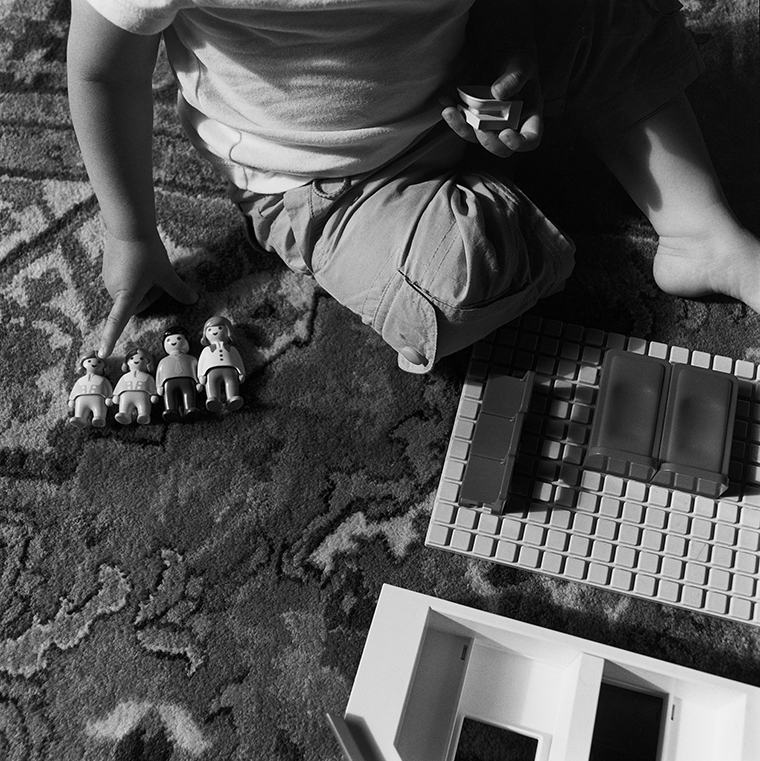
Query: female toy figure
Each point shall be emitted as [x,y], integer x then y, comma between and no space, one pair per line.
[220,366]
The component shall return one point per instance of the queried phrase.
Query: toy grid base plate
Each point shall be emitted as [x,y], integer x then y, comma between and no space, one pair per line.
[655,543]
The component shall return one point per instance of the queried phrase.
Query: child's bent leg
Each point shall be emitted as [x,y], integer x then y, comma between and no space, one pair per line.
[664,165]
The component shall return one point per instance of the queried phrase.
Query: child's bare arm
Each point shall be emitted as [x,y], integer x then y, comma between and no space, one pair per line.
[110,93]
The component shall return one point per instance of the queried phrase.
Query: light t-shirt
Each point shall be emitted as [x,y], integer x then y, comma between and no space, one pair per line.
[277,92]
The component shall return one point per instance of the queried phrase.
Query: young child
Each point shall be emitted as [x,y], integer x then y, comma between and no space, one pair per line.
[325,119]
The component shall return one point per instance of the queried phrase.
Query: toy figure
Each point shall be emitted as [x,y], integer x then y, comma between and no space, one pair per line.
[177,377]
[136,389]
[90,392]
[220,366]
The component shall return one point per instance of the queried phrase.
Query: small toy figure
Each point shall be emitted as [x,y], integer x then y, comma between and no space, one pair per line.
[220,366]
[177,377]
[136,389]
[89,396]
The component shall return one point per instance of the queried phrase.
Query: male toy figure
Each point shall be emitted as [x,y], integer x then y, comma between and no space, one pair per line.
[177,376]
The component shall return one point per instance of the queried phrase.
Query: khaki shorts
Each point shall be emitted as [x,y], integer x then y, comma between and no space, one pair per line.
[431,258]
[609,64]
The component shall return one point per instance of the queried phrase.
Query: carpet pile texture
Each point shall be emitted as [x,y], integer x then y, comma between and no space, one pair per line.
[203,591]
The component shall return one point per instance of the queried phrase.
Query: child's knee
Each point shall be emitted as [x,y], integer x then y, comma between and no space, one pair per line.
[497,257]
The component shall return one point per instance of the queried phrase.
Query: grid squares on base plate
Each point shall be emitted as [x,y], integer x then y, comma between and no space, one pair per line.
[603,529]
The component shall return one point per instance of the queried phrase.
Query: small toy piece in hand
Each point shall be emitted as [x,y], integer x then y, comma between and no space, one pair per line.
[220,366]
[136,389]
[484,112]
[177,377]
[89,396]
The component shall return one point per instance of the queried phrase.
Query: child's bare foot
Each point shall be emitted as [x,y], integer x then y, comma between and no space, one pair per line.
[724,260]
[664,165]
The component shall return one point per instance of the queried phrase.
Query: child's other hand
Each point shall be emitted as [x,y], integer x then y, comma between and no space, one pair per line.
[520,77]
[136,273]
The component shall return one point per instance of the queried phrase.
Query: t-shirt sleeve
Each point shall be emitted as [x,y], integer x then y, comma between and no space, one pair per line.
[139,16]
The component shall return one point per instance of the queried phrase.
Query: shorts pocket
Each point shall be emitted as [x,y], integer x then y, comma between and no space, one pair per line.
[468,248]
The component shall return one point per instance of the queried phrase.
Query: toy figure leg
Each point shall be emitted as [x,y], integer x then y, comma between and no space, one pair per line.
[179,400]
[133,403]
[222,383]
[171,412]
[231,390]
[126,408]
[81,417]
[82,413]
[98,408]
[214,386]
[89,410]
[190,410]
[142,408]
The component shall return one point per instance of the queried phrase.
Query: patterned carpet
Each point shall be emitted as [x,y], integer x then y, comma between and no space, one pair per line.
[188,592]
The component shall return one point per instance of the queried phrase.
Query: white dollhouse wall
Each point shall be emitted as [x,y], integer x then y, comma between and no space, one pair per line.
[428,664]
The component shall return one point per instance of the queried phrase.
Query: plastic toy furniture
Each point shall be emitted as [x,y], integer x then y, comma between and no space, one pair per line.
[482,111]
[431,667]
[699,550]
[666,424]
[135,391]
[177,377]
[494,444]
[220,366]
[625,438]
[90,393]
[699,422]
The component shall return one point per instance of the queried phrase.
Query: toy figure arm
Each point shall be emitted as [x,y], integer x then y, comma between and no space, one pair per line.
[160,378]
[202,368]
[503,38]
[111,100]
[238,360]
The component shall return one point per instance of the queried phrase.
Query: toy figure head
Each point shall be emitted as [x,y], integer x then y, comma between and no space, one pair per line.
[92,363]
[176,340]
[138,359]
[217,329]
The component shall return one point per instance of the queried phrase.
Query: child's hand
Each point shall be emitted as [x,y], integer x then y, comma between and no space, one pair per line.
[520,77]
[136,273]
